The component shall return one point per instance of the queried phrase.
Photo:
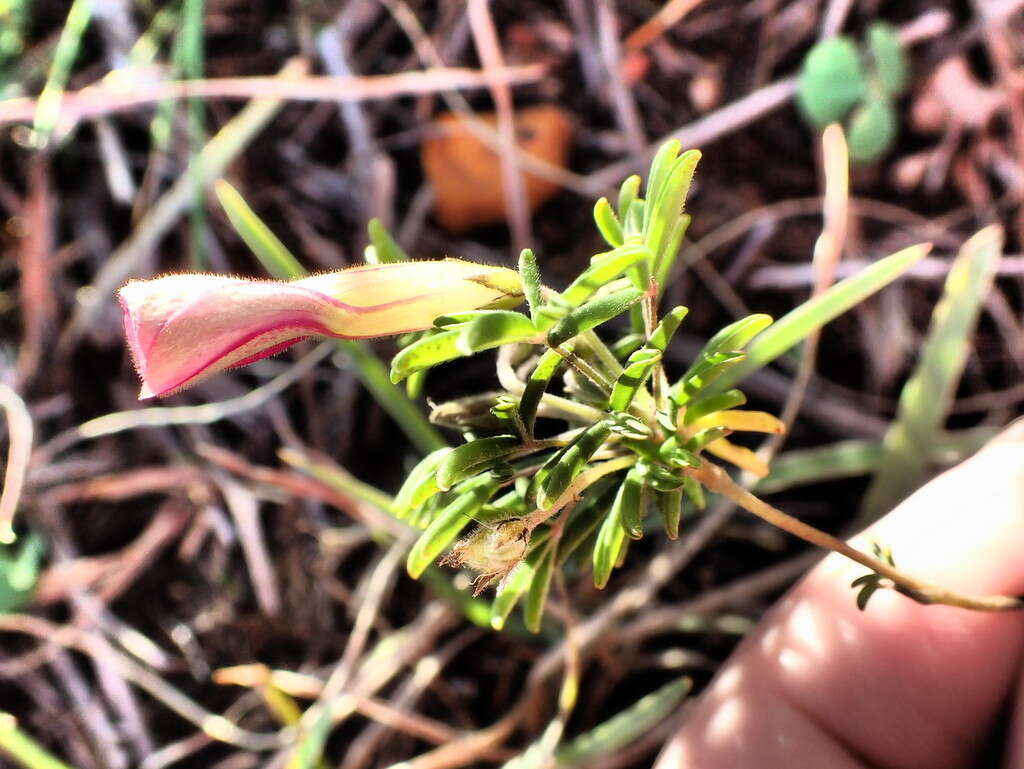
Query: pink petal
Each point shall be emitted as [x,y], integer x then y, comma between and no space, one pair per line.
[181,328]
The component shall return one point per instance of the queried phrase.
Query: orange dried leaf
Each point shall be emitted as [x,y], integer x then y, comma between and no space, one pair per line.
[465,173]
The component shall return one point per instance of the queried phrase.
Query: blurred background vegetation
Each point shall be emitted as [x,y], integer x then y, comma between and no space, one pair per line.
[190,577]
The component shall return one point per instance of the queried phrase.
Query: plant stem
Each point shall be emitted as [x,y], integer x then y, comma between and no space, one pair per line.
[715,479]
[376,379]
[585,369]
[23,749]
[582,482]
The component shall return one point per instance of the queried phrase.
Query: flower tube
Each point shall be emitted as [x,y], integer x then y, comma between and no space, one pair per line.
[182,328]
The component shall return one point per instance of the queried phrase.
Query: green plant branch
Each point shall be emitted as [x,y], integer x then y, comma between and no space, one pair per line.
[715,479]
[23,749]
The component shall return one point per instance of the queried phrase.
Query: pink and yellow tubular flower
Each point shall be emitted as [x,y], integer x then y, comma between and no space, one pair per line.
[181,328]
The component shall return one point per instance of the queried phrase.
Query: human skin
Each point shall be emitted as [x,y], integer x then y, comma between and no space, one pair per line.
[900,685]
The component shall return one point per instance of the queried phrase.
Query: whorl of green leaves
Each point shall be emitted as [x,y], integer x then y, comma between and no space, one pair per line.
[619,439]
[840,82]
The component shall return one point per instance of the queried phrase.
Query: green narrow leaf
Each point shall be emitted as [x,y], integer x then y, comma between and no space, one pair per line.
[670,504]
[428,351]
[493,329]
[677,451]
[607,223]
[633,515]
[559,471]
[611,537]
[626,346]
[591,314]
[621,729]
[634,373]
[385,249]
[721,352]
[668,207]
[420,484]
[712,403]
[794,327]
[628,191]
[667,328]
[738,334]
[23,749]
[603,269]
[473,458]
[533,606]
[927,396]
[529,273]
[275,257]
[586,515]
[694,492]
[661,166]
[448,525]
[512,589]
[800,467]
[671,252]
[536,386]
[64,55]
[703,437]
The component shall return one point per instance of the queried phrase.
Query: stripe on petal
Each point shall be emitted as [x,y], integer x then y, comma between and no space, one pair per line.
[181,328]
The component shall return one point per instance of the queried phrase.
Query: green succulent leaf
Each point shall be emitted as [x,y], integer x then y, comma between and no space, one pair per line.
[890,59]
[603,269]
[636,371]
[559,471]
[667,328]
[536,385]
[670,504]
[611,537]
[265,245]
[540,585]
[493,329]
[443,530]
[592,314]
[420,484]
[708,435]
[608,223]
[794,327]
[832,81]
[709,404]
[424,353]
[473,458]
[19,572]
[512,590]
[529,273]
[872,130]
[586,515]
[385,249]
[628,192]
[694,492]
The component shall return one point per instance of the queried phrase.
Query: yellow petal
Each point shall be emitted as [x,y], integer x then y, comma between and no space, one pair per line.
[742,457]
[751,421]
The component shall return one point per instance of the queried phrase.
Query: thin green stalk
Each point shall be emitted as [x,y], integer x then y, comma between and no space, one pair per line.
[191,52]
[48,109]
[376,378]
[18,746]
